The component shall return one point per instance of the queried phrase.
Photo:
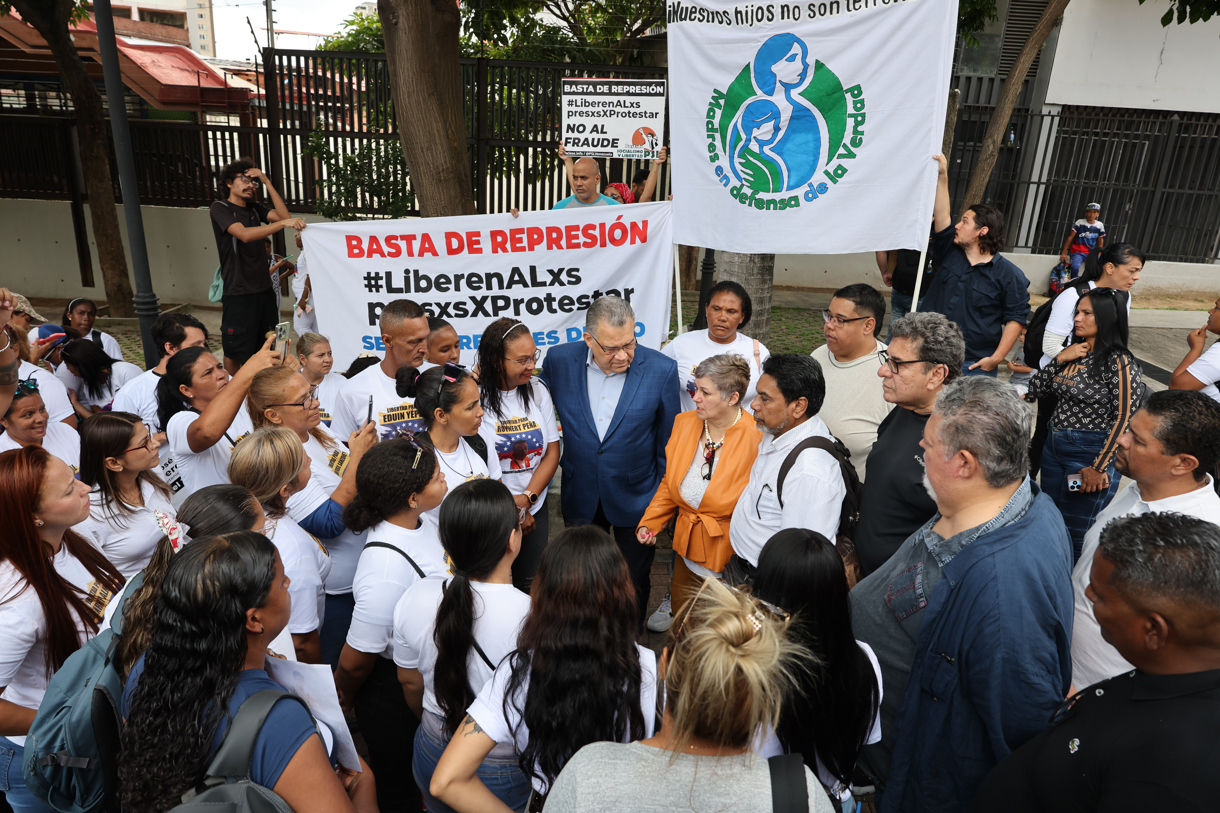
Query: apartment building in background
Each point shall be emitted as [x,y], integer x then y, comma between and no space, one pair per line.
[177,22]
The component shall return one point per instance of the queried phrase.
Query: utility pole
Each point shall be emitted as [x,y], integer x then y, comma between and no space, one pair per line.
[270,23]
[145,299]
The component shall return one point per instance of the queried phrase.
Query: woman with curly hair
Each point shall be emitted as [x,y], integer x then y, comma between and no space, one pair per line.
[222,600]
[54,588]
[577,675]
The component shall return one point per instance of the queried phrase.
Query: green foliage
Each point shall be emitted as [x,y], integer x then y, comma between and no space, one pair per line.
[972,16]
[1192,11]
[360,32]
[372,179]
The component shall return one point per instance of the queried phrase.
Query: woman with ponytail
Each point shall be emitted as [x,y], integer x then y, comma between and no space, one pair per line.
[399,480]
[54,588]
[577,676]
[449,633]
[222,600]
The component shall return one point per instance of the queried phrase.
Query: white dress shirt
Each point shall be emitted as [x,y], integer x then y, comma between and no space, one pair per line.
[1093,659]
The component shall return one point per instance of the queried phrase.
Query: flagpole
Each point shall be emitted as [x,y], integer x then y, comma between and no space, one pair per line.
[678,290]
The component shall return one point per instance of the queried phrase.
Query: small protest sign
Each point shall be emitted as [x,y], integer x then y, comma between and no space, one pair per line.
[613,118]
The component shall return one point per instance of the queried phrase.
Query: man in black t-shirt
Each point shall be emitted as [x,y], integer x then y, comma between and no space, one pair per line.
[924,355]
[249,302]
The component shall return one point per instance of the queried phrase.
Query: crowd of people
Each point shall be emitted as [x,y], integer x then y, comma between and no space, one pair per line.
[889,583]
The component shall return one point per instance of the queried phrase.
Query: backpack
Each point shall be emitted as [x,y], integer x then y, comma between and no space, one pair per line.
[1035,328]
[72,748]
[216,290]
[227,785]
[849,513]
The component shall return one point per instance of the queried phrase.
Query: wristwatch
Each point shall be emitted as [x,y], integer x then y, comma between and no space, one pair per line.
[531,496]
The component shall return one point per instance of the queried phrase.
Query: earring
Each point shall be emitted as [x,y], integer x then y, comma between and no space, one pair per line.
[38,522]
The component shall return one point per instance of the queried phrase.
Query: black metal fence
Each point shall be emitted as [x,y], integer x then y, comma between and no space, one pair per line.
[1155,174]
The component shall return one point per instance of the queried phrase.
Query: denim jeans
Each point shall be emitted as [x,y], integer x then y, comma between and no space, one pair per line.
[388,726]
[900,306]
[1067,451]
[334,626]
[12,780]
[501,774]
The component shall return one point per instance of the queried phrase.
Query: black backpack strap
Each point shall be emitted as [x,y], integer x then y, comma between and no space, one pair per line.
[473,642]
[400,552]
[237,750]
[825,444]
[479,445]
[789,793]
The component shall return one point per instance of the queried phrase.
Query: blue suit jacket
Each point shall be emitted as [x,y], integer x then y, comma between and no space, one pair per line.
[623,470]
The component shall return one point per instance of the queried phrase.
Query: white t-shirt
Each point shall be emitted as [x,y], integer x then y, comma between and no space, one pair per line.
[856,404]
[60,440]
[536,427]
[488,707]
[384,575]
[395,415]
[499,611]
[109,344]
[302,322]
[306,564]
[1207,369]
[139,397]
[691,348]
[128,540]
[23,671]
[326,468]
[463,464]
[120,373]
[54,393]
[770,745]
[1060,324]
[329,388]
[211,466]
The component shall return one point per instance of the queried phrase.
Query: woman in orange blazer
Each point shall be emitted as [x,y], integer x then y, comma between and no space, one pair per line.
[707,465]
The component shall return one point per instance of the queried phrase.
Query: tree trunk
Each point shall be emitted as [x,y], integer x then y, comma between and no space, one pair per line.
[688,267]
[755,273]
[1008,100]
[421,45]
[51,21]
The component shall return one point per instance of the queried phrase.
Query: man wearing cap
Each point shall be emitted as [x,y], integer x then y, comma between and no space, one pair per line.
[1087,232]
[24,315]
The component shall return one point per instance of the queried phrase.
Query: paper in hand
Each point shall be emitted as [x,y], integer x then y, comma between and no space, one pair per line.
[314,683]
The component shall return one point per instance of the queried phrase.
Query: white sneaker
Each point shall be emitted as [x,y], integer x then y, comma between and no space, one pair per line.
[662,618]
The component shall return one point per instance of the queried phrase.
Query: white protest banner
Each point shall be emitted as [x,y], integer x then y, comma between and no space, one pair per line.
[807,127]
[613,118]
[543,268]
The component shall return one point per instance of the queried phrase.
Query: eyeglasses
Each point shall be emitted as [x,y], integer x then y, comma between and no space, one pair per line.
[524,360]
[26,387]
[310,396]
[417,445]
[614,351]
[147,444]
[777,611]
[895,365]
[450,373]
[828,317]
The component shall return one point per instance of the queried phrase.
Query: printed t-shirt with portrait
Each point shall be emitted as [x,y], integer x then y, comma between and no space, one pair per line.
[328,391]
[60,441]
[127,539]
[384,575]
[211,466]
[499,611]
[395,416]
[326,468]
[23,670]
[1087,235]
[306,564]
[121,373]
[488,708]
[689,349]
[463,465]
[522,436]
[1206,369]
[54,393]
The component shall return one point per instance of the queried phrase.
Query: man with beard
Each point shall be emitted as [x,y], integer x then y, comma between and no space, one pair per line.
[1169,448]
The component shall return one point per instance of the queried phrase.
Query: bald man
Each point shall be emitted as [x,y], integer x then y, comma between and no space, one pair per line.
[587,185]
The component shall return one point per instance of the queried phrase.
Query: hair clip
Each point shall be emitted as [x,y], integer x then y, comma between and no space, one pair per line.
[756,619]
[511,328]
[175,531]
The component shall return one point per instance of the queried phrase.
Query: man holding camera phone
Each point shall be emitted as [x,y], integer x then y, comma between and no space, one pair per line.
[241,226]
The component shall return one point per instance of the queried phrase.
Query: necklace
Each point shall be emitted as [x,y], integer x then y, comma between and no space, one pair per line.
[713,445]
[468,476]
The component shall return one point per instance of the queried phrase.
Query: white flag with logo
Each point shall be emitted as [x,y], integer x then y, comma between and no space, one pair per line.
[807,128]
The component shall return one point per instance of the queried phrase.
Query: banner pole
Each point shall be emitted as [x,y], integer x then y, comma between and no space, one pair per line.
[678,291]
[923,256]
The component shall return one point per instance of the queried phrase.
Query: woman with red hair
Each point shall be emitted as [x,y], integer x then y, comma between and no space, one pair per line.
[54,588]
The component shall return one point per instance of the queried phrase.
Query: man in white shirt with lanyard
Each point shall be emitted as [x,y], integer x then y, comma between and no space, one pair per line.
[1169,449]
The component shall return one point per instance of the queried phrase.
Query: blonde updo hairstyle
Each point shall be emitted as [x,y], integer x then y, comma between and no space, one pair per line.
[264,462]
[730,665]
[267,389]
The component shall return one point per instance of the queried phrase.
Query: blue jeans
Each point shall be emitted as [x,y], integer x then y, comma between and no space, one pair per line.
[1075,261]
[978,370]
[501,775]
[334,626]
[12,780]
[1067,451]
[900,306]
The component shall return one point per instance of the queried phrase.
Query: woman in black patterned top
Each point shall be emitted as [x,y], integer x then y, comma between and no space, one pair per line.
[1099,385]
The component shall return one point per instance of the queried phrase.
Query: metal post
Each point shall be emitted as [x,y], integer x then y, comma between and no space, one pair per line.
[145,299]
[482,134]
[274,143]
[708,268]
[270,24]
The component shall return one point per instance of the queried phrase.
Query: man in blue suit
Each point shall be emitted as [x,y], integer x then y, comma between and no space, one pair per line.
[617,403]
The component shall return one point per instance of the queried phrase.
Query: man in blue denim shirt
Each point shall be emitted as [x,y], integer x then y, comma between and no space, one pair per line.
[983,293]
[971,619]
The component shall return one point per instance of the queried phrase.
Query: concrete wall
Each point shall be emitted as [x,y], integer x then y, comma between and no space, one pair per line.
[1116,54]
[39,258]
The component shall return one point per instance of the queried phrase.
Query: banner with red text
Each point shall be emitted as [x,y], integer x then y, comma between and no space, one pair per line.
[543,268]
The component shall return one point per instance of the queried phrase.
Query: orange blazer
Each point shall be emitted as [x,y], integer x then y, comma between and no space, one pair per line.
[702,535]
